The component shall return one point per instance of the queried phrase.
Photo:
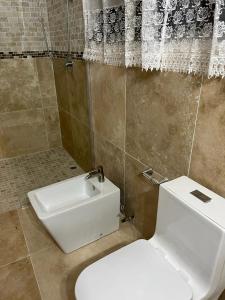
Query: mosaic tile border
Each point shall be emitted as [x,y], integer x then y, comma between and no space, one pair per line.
[64,54]
[28,54]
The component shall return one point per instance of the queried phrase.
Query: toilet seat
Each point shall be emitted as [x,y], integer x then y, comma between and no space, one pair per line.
[135,272]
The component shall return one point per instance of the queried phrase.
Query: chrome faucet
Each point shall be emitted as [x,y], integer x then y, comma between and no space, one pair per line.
[97,172]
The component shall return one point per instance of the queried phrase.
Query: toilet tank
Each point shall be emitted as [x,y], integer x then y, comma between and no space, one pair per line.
[190,232]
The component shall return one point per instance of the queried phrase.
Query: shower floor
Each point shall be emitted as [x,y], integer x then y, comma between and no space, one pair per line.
[22,174]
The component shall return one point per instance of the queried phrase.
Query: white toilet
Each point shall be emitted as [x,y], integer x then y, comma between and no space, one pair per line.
[184,260]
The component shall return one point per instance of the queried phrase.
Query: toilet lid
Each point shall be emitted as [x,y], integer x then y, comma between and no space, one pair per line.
[135,272]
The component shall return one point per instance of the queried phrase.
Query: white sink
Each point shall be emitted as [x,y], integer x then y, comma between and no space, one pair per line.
[63,195]
[77,211]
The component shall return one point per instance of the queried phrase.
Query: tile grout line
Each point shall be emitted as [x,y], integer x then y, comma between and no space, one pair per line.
[29,255]
[31,154]
[90,107]
[26,122]
[137,160]
[124,150]
[125,153]
[195,126]
[56,95]
[42,104]
[25,239]
[59,125]
[75,118]
[15,261]
[27,110]
[107,140]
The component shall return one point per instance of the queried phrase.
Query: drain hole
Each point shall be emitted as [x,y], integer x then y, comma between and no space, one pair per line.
[73,167]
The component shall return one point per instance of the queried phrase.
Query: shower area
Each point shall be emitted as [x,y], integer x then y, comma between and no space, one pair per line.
[43,92]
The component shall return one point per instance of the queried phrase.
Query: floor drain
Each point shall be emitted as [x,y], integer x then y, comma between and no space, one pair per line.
[73,167]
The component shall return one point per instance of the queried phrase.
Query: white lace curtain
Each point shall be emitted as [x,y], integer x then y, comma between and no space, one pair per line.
[171,35]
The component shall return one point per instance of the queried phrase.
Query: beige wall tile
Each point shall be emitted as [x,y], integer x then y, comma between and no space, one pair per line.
[23,139]
[66,131]
[82,147]
[21,117]
[46,81]
[108,96]
[22,132]
[12,246]
[112,159]
[53,126]
[141,197]
[160,119]
[26,85]
[208,158]
[17,281]
[19,86]
[55,139]
[61,83]
[77,92]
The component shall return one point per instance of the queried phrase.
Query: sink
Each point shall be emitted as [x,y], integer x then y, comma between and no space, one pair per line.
[63,195]
[77,211]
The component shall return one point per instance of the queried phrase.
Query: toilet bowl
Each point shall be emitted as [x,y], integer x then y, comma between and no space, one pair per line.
[184,260]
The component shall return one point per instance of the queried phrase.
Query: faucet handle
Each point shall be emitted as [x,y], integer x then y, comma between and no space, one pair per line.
[100,169]
[93,172]
[101,177]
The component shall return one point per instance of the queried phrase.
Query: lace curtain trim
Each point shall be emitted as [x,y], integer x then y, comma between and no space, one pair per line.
[167,35]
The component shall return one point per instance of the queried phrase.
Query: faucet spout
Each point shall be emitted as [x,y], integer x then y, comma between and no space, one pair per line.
[97,172]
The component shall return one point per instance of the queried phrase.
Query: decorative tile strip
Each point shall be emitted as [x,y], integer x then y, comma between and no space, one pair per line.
[64,54]
[28,54]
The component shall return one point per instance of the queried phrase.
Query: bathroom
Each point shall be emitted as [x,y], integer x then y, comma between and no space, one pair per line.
[64,112]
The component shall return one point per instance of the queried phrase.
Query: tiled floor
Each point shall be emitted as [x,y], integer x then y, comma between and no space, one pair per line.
[33,267]
[22,174]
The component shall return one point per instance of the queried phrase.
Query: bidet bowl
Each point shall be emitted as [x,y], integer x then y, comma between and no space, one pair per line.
[77,211]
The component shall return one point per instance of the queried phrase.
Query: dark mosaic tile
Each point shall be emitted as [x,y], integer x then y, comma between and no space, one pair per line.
[28,54]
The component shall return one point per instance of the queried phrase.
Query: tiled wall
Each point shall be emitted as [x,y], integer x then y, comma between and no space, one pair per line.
[72,94]
[29,120]
[57,14]
[22,24]
[172,122]
[38,27]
